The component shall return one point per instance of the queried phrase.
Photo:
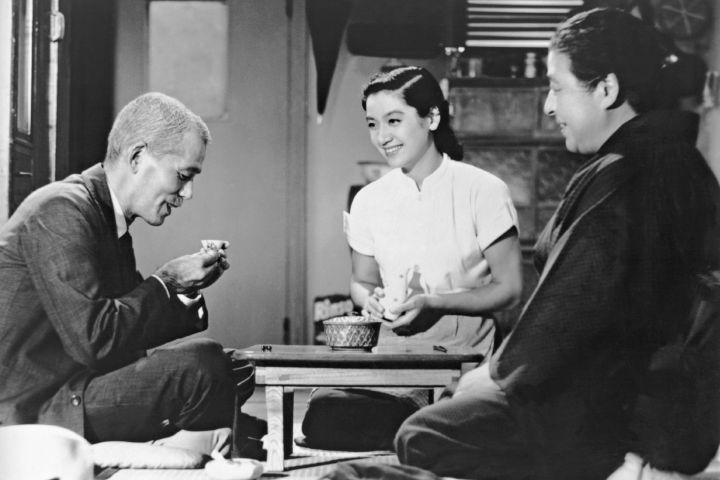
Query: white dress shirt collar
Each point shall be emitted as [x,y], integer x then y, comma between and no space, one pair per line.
[120,221]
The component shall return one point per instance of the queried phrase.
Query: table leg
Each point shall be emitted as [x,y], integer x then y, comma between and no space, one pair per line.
[435,394]
[273,442]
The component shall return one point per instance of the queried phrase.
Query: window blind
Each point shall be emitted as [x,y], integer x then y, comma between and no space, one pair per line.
[515,23]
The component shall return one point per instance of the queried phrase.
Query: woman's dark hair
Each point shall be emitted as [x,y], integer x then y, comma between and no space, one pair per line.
[606,40]
[421,91]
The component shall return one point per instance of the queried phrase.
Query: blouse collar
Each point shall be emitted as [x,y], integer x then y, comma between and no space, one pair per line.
[433,180]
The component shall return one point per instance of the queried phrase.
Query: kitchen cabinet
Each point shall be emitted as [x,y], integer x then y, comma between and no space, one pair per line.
[501,124]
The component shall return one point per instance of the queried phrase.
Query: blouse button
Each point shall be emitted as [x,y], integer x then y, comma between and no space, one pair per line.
[75,400]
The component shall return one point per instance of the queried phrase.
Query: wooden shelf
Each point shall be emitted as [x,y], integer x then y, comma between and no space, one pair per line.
[510,140]
[493,82]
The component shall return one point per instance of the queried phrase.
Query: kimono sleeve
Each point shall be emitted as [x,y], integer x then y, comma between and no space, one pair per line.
[579,300]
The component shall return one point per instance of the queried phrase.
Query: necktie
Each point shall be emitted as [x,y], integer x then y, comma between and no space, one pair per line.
[127,253]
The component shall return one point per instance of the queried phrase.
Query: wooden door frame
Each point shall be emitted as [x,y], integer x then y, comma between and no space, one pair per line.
[6,41]
[62,167]
[297,305]
[38,157]
[30,152]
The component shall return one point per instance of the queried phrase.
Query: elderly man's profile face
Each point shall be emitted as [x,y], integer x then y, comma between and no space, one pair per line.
[166,178]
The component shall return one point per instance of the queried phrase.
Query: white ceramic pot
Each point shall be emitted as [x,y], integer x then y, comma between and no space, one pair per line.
[42,452]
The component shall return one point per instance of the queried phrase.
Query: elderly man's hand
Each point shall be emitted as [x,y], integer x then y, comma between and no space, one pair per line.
[190,273]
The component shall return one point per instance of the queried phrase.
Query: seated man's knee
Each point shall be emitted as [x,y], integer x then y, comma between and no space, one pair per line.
[209,355]
[218,365]
[213,363]
[201,360]
[201,348]
[202,382]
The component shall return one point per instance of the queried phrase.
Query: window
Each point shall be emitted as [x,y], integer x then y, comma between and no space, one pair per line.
[515,23]
[188,43]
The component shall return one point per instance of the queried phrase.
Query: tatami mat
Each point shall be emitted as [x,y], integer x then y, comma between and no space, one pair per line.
[305,463]
[296,468]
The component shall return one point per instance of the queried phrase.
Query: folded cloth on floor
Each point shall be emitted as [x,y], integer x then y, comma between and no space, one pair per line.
[43,451]
[235,469]
[202,441]
[145,455]
[185,449]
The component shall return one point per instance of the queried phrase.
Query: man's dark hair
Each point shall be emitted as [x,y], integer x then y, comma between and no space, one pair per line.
[605,40]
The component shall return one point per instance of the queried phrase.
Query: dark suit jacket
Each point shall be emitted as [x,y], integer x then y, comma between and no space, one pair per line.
[619,261]
[71,303]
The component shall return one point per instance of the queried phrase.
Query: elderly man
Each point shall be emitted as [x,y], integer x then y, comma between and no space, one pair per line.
[616,350]
[77,320]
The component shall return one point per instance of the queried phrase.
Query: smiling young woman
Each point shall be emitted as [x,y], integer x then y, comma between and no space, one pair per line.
[434,248]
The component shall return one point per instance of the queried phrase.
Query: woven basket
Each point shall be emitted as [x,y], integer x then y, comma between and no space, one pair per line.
[351,333]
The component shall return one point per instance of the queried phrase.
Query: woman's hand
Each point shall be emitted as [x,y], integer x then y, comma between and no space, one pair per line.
[416,315]
[372,307]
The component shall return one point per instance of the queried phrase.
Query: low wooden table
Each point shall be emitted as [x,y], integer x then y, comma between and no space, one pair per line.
[281,368]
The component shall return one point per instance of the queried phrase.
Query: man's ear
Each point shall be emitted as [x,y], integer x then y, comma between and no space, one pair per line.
[434,118]
[609,90]
[134,155]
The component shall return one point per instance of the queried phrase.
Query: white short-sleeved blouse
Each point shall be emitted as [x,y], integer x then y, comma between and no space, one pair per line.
[432,239]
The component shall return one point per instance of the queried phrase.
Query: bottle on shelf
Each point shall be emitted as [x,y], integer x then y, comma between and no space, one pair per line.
[530,68]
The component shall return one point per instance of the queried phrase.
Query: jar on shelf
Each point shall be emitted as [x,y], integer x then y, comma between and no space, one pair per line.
[530,68]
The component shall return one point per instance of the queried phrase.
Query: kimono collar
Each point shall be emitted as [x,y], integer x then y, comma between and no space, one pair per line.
[658,126]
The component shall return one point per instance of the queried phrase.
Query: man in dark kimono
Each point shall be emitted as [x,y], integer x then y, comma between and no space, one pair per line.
[77,319]
[616,351]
